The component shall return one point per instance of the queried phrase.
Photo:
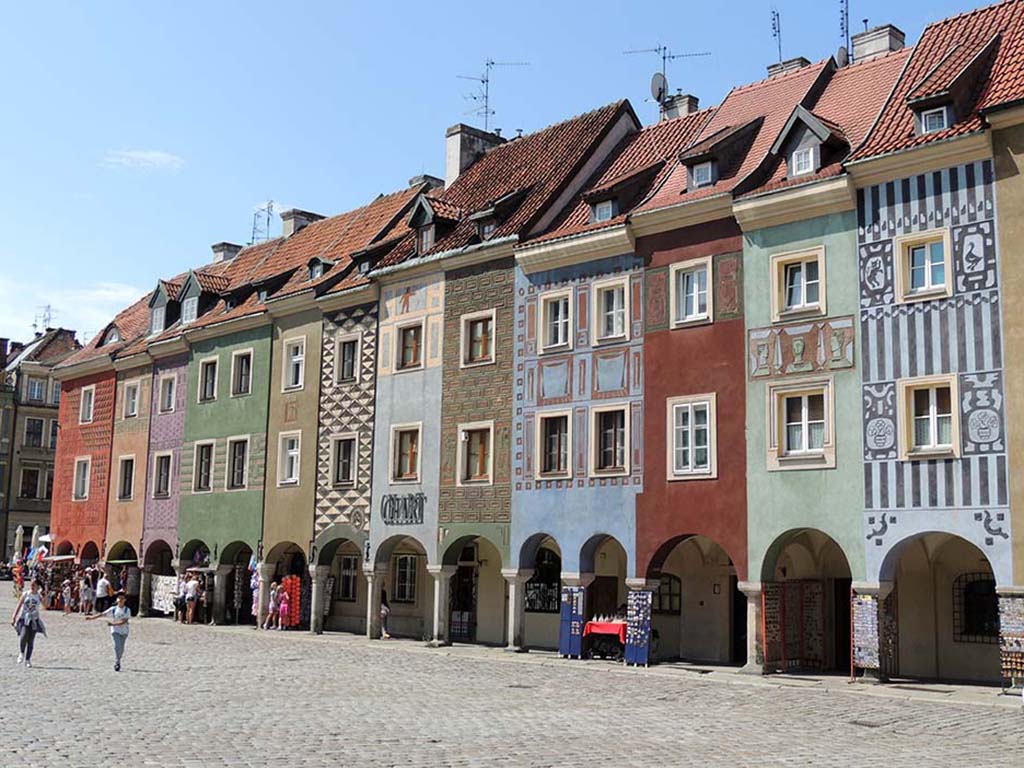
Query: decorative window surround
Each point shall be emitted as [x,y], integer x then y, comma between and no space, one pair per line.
[198,484]
[780,265]
[540,449]
[775,427]
[904,248]
[463,460]
[241,379]
[617,469]
[289,458]
[340,344]
[82,478]
[236,478]
[293,373]
[618,288]
[905,392]
[556,327]
[126,478]
[415,359]
[690,402]
[161,481]
[468,323]
[415,430]
[131,399]
[207,389]
[87,404]
[166,391]
[338,475]
[679,319]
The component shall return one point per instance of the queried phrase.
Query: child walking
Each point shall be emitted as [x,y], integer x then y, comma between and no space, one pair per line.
[117,617]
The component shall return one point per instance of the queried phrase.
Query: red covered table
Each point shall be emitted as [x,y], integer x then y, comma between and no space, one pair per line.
[617,628]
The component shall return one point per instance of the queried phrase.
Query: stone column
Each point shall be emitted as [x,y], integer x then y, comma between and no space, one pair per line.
[145,590]
[516,579]
[319,574]
[442,575]
[755,655]
[375,581]
[868,628]
[266,573]
[220,593]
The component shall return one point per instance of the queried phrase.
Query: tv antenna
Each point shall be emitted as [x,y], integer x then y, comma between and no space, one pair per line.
[261,220]
[844,23]
[43,320]
[667,55]
[777,31]
[483,96]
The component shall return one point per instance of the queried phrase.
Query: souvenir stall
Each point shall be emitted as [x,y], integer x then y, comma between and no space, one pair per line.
[53,572]
[163,591]
[293,576]
[204,603]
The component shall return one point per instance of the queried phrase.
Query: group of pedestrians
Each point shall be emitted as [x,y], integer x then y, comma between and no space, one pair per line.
[192,596]
[27,621]
[279,607]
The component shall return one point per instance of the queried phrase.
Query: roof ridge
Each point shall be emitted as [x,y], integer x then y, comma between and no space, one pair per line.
[776,78]
[964,14]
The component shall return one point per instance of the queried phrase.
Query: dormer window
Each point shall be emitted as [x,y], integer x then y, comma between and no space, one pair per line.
[803,161]
[190,310]
[261,295]
[701,173]
[934,120]
[156,320]
[364,267]
[425,238]
[603,211]
[486,229]
[113,336]
[316,270]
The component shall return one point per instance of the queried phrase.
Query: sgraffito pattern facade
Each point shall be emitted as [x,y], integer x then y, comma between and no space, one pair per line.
[166,433]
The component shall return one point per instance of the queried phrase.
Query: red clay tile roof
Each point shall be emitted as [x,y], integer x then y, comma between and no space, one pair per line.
[173,286]
[212,283]
[849,105]
[931,61]
[772,100]
[541,163]
[444,209]
[657,144]
[130,322]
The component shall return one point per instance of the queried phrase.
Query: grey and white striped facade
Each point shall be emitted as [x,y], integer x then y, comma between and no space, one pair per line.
[962,334]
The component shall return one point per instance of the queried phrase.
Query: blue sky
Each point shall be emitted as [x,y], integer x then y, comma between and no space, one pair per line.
[134,135]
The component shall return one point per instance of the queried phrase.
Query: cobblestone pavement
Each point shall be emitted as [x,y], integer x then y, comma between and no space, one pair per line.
[204,696]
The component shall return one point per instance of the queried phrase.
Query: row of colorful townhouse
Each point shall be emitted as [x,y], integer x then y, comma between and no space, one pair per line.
[757,358]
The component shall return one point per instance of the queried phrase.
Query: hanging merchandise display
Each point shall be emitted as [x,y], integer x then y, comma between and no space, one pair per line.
[570,635]
[293,586]
[304,607]
[328,595]
[638,629]
[163,591]
[239,584]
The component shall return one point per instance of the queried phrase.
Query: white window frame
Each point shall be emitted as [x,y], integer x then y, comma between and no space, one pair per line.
[604,211]
[316,270]
[710,401]
[902,247]
[466,340]
[336,440]
[28,389]
[539,448]
[543,300]
[424,238]
[601,287]
[395,447]
[691,265]
[154,474]
[696,168]
[173,378]
[400,328]
[84,496]
[775,444]
[595,443]
[196,490]
[247,439]
[120,473]
[779,265]
[288,359]
[135,384]
[82,419]
[215,361]
[905,389]
[42,432]
[283,456]
[234,369]
[189,310]
[463,451]
[161,313]
[925,130]
[340,341]
[798,154]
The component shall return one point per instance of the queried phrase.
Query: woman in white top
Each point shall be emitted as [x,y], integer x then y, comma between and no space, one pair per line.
[28,621]
[117,617]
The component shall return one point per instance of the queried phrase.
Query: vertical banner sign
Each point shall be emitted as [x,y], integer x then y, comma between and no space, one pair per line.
[638,626]
[570,630]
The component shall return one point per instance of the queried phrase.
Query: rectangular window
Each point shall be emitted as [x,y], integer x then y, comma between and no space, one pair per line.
[162,476]
[933,120]
[294,363]
[56,393]
[288,459]
[475,453]
[54,431]
[604,210]
[927,267]
[29,483]
[37,390]
[801,420]
[691,427]
[48,490]
[798,283]
[241,373]
[478,338]
[801,285]
[554,444]
[425,238]
[203,471]
[410,344]
[556,319]
[405,579]
[611,310]
[933,419]
[347,356]
[803,161]
[344,460]
[929,417]
[701,174]
[349,582]
[85,406]
[691,295]
[924,270]
[34,433]
[126,478]
[238,470]
[81,488]
[190,309]
[156,321]
[167,394]
[610,440]
[805,424]
[669,597]
[208,380]
[405,454]
[131,399]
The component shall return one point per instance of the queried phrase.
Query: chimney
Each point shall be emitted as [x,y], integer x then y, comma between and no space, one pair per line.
[294,220]
[424,178]
[224,251]
[463,144]
[789,65]
[679,105]
[877,42]
[3,354]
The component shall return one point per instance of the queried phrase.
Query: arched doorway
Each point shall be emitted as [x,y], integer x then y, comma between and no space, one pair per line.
[697,612]
[90,553]
[160,586]
[344,592]
[806,604]
[292,575]
[195,554]
[65,548]
[603,556]
[122,566]
[476,595]
[238,592]
[542,592]
[946,610]
[407,585]
[159,558]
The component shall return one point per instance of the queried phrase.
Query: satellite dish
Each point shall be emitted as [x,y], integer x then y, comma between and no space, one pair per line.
[659,87]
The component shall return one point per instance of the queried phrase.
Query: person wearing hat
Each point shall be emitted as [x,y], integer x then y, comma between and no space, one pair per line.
[117,618]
